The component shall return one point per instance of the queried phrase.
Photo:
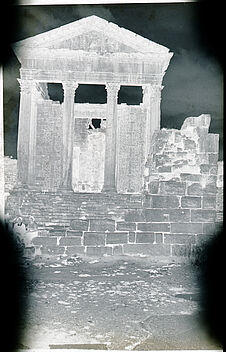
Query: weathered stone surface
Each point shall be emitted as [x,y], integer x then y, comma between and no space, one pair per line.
[117,250]
[209,202]
[74,250]
[147,249]
[171,187]
[156,215]
[117,237]
[132,237]
[197,189]
[79,225]
[75,233]
[45,241]
[145,237]
[179,238]
[179,215]
[52,250]
[190,202]
[186,227]
[134,215]
[181,250]
[70,241]
[126,226]
[165,201]
[98,251]
[155,227]
[158,237]
[203,215]
[94,239]
[102,225]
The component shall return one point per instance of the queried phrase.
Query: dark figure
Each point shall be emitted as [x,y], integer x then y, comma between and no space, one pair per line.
[13,289]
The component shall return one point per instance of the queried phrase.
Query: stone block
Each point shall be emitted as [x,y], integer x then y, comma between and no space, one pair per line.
[189,144]
[102,225]
[190,202]
[154,227]
[117,250]
[79,225]
[132,237]
[156,215]
[117,237]
[126,226]
[209,202]
[98,251]
[203,215]
[144,237]
[209,228]
[172,187]
[209,143]
[197,189]
[70,241]
[44,241]
[53,250]
[162,159]
[186,228]
[179,238]
[190,177]
[74,233]
[203,239]
[165,201]
[181,250]
[75,250]
[179,215]
[208,169]
[158,249]
[158,237]
[134,215]
[153,187]
[94,239]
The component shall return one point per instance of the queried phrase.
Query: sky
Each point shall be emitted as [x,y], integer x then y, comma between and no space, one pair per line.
[193,83]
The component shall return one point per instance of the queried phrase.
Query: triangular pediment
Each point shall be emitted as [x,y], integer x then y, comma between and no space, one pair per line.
[93,41]
[92,34]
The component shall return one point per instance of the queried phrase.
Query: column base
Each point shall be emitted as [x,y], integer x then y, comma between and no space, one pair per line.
[109,189]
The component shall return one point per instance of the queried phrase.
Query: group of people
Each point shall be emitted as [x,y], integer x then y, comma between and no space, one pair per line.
[23,231]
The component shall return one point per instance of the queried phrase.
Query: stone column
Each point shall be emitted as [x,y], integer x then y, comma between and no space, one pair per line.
[111,138]
[152,101]
[69,88]
[24,150]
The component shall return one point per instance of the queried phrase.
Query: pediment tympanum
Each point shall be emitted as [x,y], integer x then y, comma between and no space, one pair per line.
[93,42]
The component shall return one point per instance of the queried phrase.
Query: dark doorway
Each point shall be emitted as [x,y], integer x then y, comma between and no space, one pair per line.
[91,93]
[55,91]
[131,95]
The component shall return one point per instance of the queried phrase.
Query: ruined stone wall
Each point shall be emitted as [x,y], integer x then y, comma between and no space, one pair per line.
[181,181]
[176,213]
[48,145]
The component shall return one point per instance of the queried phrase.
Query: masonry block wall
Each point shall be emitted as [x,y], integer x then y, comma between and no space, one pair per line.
[48,145]
[176,211]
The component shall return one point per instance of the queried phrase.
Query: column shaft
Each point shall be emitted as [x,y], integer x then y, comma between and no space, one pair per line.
[111,138]
[23,148]
[68,133]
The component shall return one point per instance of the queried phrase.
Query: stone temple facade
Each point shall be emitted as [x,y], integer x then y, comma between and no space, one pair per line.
[124,187]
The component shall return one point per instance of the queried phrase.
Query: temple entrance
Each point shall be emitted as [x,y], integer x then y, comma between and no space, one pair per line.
[88,155]
[89,138]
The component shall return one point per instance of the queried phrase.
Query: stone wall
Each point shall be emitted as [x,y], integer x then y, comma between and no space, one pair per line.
[48,145]
[10,174]
[176,212]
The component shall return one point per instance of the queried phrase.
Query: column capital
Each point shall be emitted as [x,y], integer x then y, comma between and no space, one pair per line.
[112,89]
[26,85]
[69,87]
